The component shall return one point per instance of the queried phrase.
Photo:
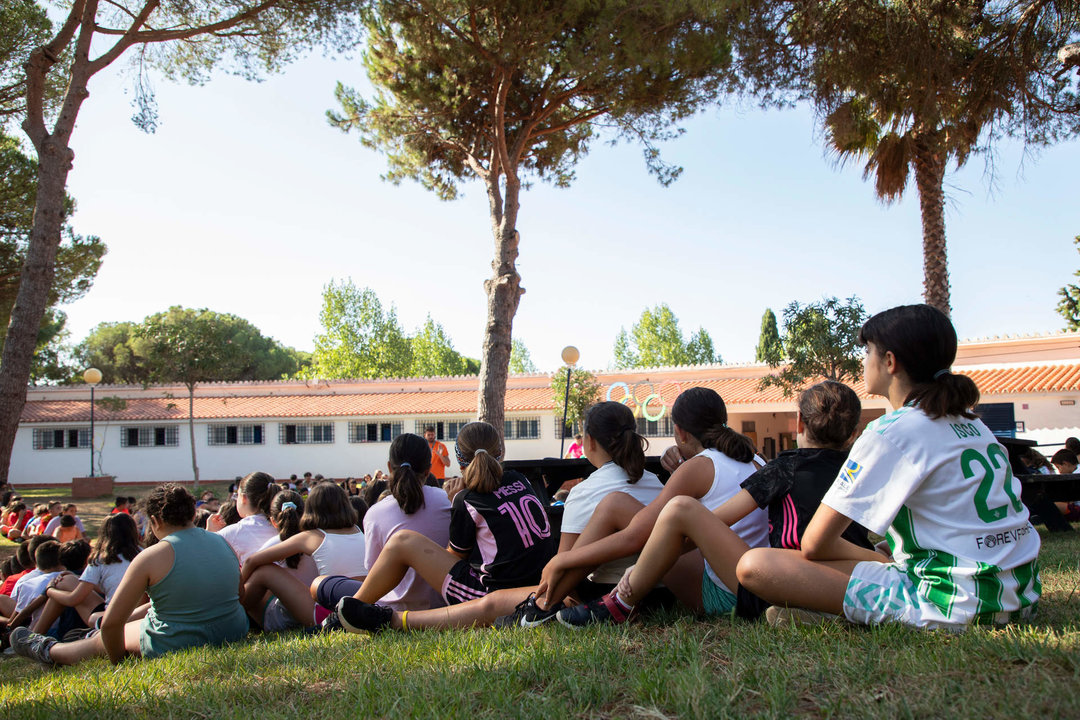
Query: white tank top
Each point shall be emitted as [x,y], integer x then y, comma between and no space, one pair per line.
[341,554]
[728,475]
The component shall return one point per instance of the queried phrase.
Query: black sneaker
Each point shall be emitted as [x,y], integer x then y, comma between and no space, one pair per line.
[31,645]
[527,614]
[357,616]
[601,610]
[331,623]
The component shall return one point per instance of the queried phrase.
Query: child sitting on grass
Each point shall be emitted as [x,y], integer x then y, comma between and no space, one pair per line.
[935,479]
[192,579]
[790,488]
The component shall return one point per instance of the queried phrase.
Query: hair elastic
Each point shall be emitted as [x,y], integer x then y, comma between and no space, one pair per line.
[943,371]
[405,464]
[288,505]
[477,451]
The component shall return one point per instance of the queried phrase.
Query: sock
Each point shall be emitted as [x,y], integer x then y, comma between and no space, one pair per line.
[627,607]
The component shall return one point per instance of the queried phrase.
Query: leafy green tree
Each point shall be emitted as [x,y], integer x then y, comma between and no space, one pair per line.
[520,360]
[183,39]
[77,261]
[656,340]
[118,351]
[918,85]
[769,348]
[820,343]
[433,353]
[584,391]
[359,338]
[508,91]
[1069,305]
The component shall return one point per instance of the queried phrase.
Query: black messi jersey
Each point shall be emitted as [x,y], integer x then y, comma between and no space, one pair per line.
[508,529]
[791,487]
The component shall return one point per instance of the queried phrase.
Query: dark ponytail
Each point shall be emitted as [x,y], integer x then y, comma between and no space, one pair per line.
[287,520]
[923,341]
[701,412]
[830,412]
[260,490]
[171,504]
[479,449]
[612,426]
[410,459]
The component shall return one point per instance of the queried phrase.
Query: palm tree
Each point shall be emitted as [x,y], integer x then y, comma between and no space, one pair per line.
[917,84]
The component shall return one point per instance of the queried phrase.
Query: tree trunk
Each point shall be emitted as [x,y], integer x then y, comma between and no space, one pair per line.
[929,178]
[503,294]
[54,163]
[191,430]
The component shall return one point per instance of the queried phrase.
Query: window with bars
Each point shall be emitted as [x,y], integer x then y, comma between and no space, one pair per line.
[571,429]
[150,436]
[656,428]
[235,434]
[444,429]
[521,429]
[306,433]
[370,432]
[61,438]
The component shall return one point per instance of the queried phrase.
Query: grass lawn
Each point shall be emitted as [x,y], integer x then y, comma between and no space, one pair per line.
[669,666]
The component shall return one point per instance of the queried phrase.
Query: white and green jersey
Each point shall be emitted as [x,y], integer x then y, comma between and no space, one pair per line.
[944,494]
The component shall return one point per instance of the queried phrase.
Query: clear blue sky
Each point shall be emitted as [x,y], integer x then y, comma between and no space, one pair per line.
[247,201]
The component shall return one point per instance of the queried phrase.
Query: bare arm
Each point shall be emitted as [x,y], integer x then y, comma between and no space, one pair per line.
[822,540]
[306,542]
[70,598]
[128,596]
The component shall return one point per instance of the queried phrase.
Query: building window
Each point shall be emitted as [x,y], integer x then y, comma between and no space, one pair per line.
[149,436]
[361,432]
[306,433]
[59,438]
[656,428]
[571,429]
[521,429]
[444,429]
[234,434]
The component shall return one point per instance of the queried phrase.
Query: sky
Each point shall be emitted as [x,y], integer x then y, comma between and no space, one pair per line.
[247,201]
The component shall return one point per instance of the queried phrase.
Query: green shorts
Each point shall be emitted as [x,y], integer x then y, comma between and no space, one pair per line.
[716,599]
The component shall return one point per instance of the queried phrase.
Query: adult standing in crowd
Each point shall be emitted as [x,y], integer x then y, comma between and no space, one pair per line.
[440,458]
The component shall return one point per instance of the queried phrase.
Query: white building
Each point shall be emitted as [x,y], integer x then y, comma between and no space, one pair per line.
[343,428]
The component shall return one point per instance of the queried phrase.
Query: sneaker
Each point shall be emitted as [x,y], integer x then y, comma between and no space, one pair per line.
[31,645]
[786,617]
[528,614]
[357,616]
[601,610]
[331,623]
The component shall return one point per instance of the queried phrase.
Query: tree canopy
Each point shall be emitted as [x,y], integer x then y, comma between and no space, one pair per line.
[520,359]
[504,91]
[183,345]
[656,340]
[584,391]
[820,342]
[361,338]
[769,348]
[1069,305]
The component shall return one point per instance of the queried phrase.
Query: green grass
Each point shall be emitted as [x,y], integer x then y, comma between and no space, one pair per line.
[670,666]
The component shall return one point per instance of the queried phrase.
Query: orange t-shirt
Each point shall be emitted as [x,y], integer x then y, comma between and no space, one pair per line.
[63,534]
[438,467]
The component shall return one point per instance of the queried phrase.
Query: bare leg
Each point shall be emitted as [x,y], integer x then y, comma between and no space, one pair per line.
[7,606]
[292,594]
[75,652]
[405,550]
[683,518]
[613,514]
[474,613]
[785,577]
[53,609]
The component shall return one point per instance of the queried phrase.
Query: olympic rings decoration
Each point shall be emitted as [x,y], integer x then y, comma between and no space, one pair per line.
[630,394]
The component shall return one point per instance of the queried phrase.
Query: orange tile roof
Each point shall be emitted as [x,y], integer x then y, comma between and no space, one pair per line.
[738,385]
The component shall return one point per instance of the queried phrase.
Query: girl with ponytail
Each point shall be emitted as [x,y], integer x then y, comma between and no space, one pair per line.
[497,514]
[719,460]
[411,505]
[929,475]
[323,530]
[254,496]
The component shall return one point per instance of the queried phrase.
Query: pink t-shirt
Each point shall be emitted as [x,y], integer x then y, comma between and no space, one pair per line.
[576,450]
[385,518]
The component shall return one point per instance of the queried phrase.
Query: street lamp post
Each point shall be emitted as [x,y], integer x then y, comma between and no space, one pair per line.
[570,356]
[92,377]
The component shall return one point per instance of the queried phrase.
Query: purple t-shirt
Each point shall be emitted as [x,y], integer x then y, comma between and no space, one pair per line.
[432,520]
